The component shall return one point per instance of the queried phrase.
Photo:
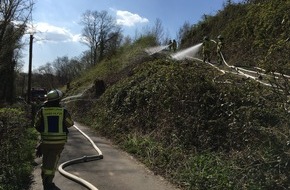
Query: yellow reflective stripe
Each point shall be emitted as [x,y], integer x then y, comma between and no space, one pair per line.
[53,111]
[54,142]
[60,122]
[53,134]
[52,137]
[45,121]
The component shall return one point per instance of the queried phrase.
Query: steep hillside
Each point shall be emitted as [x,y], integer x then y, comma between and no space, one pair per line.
[187,121]
[228,134]
[256,33]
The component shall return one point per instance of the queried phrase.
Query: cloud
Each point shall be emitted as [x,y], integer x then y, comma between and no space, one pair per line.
[127,18]
[45,32]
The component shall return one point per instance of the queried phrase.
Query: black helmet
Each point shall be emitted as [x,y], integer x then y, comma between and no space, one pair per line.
[205,38]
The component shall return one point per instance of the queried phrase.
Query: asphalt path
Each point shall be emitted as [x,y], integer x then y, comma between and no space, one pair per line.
[116,171]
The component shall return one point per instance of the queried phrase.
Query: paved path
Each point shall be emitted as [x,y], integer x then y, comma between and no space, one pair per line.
[117,171]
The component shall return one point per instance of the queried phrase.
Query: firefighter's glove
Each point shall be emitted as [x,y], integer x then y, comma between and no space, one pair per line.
[38,152]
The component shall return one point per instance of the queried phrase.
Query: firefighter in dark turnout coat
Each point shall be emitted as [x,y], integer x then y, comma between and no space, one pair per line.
[52,122]
[220,45]
[206,49]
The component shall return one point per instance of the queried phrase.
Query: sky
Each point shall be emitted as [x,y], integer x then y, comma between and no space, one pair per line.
[57,30]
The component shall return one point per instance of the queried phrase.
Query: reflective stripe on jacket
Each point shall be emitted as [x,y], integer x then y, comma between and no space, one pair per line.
[53,132]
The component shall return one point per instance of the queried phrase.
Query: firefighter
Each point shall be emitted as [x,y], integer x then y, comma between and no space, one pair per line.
[220,45]
[170,45]
[52,122]
[174,45]
[206,49]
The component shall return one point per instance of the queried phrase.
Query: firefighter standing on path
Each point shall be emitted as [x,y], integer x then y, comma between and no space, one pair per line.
[52,122]
[220,45]
[206,49]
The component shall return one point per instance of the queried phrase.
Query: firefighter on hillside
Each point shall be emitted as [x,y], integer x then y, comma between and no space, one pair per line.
[52,122]
[174,45]
[220,45]
[206,49]
[170,45]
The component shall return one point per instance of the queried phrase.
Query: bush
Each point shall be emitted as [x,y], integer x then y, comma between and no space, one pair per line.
[199,133]
[17,141]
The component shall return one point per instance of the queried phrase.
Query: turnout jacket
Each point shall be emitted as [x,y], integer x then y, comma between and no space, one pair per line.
[52,122]
[206,46]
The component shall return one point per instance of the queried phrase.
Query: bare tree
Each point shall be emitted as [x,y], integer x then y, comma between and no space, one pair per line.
[61,65]
[85,59]
[75,67]
[63,69]
[99,30]
[183,32]
[158,31]
[46,69]
[14,15]
[155,33]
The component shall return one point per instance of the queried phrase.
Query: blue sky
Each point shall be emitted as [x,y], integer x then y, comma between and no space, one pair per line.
[57,28]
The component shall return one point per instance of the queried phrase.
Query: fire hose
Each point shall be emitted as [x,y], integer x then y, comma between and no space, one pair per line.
[75,178]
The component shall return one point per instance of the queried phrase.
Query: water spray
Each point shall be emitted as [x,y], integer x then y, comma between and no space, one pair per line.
[187,53]
[156,49]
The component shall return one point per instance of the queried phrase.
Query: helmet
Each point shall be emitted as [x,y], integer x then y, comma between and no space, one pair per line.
[54,95]
[220,37]
[205,38]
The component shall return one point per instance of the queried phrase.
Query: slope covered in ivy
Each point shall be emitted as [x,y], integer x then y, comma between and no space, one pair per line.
[256,33]
[188,122]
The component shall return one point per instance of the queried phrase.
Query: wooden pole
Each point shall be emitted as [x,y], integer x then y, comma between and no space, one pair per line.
[29,70]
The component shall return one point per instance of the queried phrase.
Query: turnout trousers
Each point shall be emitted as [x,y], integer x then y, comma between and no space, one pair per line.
[206,55]
[51,154]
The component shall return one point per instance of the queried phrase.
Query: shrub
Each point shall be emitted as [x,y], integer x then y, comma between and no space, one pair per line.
[17,141]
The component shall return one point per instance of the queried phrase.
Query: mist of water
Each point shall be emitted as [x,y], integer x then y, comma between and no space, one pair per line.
[187,53]
[72,97]
[156,49]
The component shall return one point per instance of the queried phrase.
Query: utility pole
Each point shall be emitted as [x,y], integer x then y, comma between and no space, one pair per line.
[29,69]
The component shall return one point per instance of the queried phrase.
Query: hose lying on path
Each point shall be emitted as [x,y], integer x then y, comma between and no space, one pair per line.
[81,160]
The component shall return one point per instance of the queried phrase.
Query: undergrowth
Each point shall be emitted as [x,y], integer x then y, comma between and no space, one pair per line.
[17,141]
[199,133]
[198,128]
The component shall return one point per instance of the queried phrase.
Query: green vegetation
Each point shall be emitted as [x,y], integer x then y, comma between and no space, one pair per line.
[189,123]
[256,33]
[183,119]
[17,141]
[200,134]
